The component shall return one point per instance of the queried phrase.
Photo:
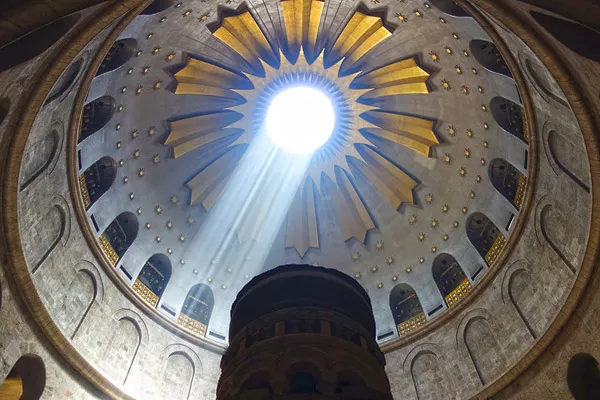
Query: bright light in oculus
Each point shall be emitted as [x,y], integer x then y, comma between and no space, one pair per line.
[300,119]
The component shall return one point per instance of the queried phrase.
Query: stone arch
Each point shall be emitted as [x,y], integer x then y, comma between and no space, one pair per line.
[35,43]
[543,83]
[185,361]
[450,278]
[571,34]
[4,108]
[130,333]
[26,380]
[66,81]
[157,6]
[39,156]
[485,236]
[552,223]
[197,309]
[119,236]
[257,383]
[583,377]
[406,309]
[509,115]
[487,54]
[118,54]
[427,373]
[508,181]
[564,156]
[153,279]
[516,292]
[50,230]
[96,115]
[97,179]
[450,7]
[77,302]
[478,339]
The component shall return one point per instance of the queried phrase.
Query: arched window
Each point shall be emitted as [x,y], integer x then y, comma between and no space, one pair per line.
[119,236]
[197,309]
[485,236]
[157,6]
[35,43]
[348,379]
[66,81]
[406,309]
[302,378]
[487,54]
[258,383]
[96,180]
[508,181]
[26,380]
[450,7]
[95,115]
[579,38]
[152,280]
[509,116]
[450,279]
[118,54]
[583,377]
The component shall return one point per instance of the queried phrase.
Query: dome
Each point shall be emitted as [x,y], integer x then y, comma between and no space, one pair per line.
[143,189]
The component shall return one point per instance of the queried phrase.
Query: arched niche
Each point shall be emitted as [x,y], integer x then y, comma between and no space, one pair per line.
[45,236]
[509,116]
[26,380]
[406,309]
[257,384]
[35,43]
[66,81]
[118,54]
[97,179]
[96,115]
[123,348]
[429,377]
[450,7]
[119,236]
[197,309]
[4,108]
[153,279]
[487,54]
[178,376]
[76,302]
[583,377]
[578,38]
[450,279]
[485,237]
[508,180]
[157,6]
[570,159]
[484,349]
[38,157]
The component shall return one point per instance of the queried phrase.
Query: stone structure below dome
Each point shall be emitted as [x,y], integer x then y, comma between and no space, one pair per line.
[302,332]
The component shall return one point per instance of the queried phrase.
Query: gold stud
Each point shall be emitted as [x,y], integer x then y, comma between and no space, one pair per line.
[155,50]
[484,107]
[195,271]
[151,131]
[429,198]
[118,127]
[379,245]
[448,50]
[389,260]
[455,36]
[120,108]
[230,270]
[394,278]
[118,145]
[158,210]
[357,275]
[158,239]
[486,144]
[422,260]
[374,268]
[125,179]
[412,219]
[170,250]
[123,89]
[455,224]
[474,71]
[223,286]
[136,154]
[148,225]
[446,84]
[458,69]
[434,56]
[170,56]
[445,237]
[169,225]
[138,53]
[187,13]
[121,163]
[465,53]
[134,134]
[141,172]
[465,210]
[149,35]
[433,249]
[465,90]
[472,195]
[163,19]
[467,153]
[157,85]
[155,159]
[182,261]
[447,158]
[451,130]
[145,70]
[418,13]
[139,211]
[480,89]
[181,238]
[139,90]
[470,133]
[190,220]
[445,208]
[379,285]
[174,199]
[421,237]
[401,18]
[486,126]
[130,71]
[462,172]
[478,179]
[434,223]
[483,161]
[409,270]
[442,20]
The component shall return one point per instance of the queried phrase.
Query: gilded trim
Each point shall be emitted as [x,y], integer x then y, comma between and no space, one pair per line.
[412,324]
[458,293]
[145,293]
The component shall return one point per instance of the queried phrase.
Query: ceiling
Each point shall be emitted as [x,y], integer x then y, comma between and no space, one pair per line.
[424,104]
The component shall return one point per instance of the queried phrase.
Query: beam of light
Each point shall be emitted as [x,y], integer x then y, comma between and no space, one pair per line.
[239,230]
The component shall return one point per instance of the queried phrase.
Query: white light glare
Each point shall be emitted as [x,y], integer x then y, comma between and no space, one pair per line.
[300,119]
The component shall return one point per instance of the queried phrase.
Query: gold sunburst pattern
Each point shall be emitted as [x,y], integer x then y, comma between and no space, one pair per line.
[357,96]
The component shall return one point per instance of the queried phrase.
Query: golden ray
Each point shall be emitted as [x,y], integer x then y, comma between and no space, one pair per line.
[302,231]
[301,19]
[207,185]
[361,92]
[352,216]
[393,183]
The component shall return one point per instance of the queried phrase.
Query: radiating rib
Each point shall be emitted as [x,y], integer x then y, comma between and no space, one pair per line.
[352,216]
[207,185]
[302,19]
[187,129]
[302,231]
[393,183]
[412,132]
